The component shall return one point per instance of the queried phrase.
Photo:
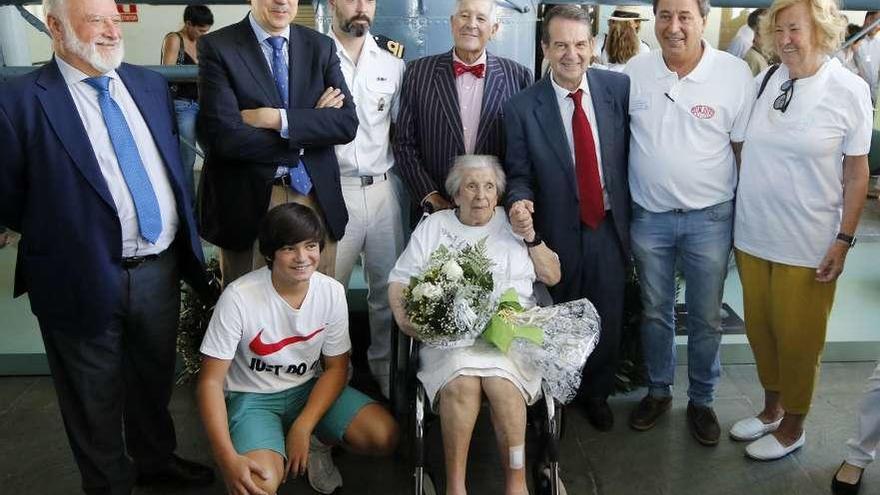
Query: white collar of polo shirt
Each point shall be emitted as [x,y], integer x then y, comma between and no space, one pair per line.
[700,73]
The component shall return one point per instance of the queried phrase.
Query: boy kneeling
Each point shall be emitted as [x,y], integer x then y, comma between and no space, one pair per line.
[258,395]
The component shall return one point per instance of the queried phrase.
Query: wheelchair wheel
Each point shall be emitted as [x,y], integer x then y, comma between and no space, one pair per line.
[429,488]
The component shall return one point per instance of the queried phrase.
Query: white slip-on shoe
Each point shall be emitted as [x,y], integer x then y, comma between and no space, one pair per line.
[746,430]
[323,475]
[768,448]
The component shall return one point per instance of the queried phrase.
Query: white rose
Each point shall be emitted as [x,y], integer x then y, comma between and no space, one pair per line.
[452,271]
[431,291]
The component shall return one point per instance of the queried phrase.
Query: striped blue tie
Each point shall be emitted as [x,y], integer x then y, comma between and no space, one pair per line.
[145,203]
[299,177]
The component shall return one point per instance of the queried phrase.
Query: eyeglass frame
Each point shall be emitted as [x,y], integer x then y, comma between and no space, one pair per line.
[782,101]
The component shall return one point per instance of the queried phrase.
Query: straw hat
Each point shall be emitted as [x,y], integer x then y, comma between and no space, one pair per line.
[627,13]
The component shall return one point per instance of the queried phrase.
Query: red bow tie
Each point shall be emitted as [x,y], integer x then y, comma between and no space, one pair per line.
[460,68]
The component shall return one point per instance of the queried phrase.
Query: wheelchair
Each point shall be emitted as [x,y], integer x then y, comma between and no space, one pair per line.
[410,403]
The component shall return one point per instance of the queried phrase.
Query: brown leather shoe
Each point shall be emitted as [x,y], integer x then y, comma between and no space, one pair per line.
[645,415]
[703,424]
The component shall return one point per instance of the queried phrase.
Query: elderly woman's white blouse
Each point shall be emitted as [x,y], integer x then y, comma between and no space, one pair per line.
[790,197]
[512,268]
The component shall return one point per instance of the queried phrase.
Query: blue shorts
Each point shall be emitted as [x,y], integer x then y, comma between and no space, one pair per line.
[261,421]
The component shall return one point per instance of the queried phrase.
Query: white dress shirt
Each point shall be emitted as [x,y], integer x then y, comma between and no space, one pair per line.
[85,98]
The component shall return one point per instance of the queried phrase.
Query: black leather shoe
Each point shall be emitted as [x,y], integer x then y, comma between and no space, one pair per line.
[645,415]
[598,413]
[840,488]
[703,424]
[177,471]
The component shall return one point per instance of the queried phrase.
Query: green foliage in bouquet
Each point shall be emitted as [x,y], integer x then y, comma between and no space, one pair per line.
[195,314]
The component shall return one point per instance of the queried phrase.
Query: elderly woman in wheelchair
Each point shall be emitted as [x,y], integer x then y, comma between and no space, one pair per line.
[455,379]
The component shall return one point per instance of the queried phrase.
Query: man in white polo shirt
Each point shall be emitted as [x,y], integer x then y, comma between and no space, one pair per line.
[689,106]
[373,71]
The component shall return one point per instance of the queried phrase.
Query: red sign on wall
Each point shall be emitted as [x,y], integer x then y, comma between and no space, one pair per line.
[129,12]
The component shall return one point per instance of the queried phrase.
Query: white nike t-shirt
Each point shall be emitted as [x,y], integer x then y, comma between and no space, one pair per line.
[274,347]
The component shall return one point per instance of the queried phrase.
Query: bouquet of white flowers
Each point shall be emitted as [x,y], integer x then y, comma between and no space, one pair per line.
[451,301]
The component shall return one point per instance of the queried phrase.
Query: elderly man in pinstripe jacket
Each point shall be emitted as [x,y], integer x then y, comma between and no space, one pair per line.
[450,104]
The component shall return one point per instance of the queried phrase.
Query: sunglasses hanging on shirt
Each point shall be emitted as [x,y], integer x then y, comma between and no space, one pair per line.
[782,101]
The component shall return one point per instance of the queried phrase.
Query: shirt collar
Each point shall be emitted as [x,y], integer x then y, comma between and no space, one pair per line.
[481,60]
[562,93]
[370,45]
[72,75]
[262,35]
[700,73]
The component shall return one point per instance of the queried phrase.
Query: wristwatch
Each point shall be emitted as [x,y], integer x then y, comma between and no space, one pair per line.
[534,242]
[851,240]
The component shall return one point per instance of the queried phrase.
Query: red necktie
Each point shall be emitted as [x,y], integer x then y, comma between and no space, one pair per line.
[476,70]
[586,165]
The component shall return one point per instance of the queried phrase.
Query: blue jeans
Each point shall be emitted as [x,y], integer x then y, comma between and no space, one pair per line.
[187,111]
[698,242]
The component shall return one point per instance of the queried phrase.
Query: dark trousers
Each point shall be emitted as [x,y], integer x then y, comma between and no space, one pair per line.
[600,276]
[114,383]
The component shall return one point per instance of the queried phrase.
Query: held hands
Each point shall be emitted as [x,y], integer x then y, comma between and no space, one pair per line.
[237,474]
[520,214]
[832,264]
[297,447]
[332,98]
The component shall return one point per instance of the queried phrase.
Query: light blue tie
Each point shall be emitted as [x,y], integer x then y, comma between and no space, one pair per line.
[299,177]
[145,203]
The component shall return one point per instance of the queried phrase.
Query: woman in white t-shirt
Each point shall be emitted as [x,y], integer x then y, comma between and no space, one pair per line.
[455,379]
[258,393]
[802,187]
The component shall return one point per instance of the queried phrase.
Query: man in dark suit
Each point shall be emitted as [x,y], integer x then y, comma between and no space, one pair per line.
[450,104]
[566,163]
[91,178]
[273,102]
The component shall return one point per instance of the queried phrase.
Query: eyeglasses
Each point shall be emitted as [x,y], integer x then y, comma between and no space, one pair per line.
[782,101]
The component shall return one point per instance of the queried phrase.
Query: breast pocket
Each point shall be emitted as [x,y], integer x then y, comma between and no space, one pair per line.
[379,98]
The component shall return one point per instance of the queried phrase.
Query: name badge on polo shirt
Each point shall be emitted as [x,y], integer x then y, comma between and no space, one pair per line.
[638,103]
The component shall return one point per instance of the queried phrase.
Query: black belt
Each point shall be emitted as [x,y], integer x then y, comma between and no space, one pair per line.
[367,180]
[129,262]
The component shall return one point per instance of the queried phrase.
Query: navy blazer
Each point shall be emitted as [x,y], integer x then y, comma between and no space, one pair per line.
[241,160]
[540,168]
[53,193]
[428,132]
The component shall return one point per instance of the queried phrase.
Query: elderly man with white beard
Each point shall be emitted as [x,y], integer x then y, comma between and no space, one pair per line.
[91,178]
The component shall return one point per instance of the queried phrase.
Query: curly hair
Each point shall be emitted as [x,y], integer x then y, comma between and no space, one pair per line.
[829,25]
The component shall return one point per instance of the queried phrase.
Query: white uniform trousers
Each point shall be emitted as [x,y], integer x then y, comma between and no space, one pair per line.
[862,447]
[375,234]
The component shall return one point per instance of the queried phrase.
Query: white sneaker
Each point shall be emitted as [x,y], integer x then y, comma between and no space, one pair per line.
[746,430]
[323,475]
[768,448]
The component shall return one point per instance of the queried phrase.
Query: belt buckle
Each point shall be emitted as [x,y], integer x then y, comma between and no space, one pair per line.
[366,180]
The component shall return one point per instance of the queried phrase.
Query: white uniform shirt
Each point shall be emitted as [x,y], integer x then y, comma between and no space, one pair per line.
[869,58]
[566,111]
[272,346]
[85,98]
[374,84]
[790,197]
[681,129]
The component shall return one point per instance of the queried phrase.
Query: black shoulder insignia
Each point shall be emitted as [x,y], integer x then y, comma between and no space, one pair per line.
[393,47]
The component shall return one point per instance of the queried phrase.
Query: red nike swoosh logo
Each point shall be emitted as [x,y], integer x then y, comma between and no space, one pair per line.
[261,348]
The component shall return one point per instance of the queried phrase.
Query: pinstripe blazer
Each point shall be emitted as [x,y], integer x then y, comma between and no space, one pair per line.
[429,133]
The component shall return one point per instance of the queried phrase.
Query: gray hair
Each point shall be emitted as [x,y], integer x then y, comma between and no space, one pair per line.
[492,9]
[54,7]
[703,5]
[466,163]
[569,12]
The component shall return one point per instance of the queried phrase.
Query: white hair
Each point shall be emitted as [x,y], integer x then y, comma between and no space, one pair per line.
[54,7]
[465,163]
[492,9]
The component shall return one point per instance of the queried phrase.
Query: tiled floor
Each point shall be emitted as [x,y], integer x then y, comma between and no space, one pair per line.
[34,457]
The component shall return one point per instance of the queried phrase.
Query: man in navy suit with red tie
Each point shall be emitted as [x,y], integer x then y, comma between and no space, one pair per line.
[450,104]
[273,103]
[566,163]
[91,178]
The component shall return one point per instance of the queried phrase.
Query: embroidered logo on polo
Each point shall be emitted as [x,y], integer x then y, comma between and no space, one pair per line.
[261,348]
[702,111]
